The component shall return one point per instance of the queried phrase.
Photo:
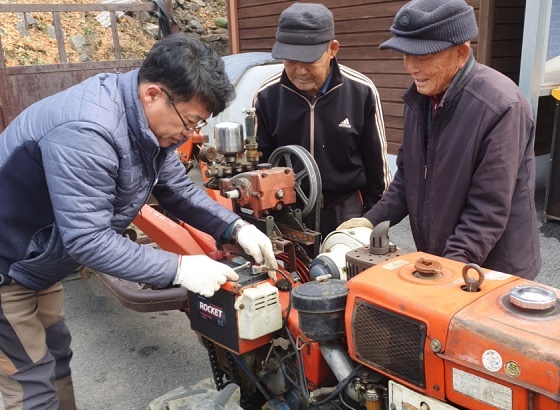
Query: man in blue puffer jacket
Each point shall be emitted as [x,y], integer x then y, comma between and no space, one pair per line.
[75,169]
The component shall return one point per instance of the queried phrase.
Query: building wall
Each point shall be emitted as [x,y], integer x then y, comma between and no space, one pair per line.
[554,32]
[361,25]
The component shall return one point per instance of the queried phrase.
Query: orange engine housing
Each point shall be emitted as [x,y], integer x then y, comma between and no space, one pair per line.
[261,190]
[472,349]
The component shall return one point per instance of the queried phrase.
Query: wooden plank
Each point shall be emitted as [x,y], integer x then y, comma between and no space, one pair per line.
[506,48]
[392,121]
[394,136]
[269,23]
[345,38]
[233,26]
[393,147]
[249,23]
[505,63]
[509,15]
[28,84]
[394,109]
[70,67]
[353,51]
[508,32]
[398,81]
[389,94]
[69,8]
[257,33]
[356,12]
[328,3]
[264,44]
[486,32]
[363,25]
[379,66]
[381,10]
[115,33]
[59,37]
[348,50]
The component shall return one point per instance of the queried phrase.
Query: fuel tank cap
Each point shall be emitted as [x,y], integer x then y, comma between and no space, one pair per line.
[532,297]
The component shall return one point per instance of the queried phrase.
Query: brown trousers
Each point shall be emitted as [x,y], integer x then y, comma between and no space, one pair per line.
[34,349]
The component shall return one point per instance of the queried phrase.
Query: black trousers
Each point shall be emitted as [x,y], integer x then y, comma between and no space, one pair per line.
[334,216]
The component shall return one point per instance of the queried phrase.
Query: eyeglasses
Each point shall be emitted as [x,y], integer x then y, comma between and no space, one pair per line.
[196,128]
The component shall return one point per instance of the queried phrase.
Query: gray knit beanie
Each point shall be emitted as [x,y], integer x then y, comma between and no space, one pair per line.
[428,26]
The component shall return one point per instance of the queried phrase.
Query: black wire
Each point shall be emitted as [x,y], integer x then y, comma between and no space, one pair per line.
[301,369]
[345,404]
[303,385]
[251,376]
[289,308]
[285,373]
[339,387]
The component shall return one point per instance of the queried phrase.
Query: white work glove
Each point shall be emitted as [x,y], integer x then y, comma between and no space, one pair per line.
[355,223]
[200,274]
[257,244]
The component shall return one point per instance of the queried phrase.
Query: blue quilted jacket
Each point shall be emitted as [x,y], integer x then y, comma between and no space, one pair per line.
[75,169]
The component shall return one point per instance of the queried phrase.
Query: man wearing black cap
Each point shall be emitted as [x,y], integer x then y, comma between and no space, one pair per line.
[332,111]
[466,166]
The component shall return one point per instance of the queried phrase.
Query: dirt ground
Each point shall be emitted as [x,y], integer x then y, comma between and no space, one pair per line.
[37,48]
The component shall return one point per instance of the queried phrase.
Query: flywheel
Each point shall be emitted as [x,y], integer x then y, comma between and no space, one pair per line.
[308,185]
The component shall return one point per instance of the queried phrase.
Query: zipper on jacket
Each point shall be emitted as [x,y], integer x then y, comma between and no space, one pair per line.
[312,115]
[429,147]
[312,130]
[422,188]
[312,120]
[154,178]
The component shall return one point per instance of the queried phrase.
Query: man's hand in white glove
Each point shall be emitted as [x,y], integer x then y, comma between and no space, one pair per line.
[355,223]
[200,274]
[256,244]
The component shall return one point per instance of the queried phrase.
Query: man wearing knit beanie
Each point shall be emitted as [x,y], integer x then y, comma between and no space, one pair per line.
[329,109]
[466,166]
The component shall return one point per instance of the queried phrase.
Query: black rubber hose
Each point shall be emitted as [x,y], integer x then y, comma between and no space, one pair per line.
[251,376]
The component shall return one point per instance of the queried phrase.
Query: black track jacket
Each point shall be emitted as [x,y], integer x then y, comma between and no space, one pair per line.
[342,129]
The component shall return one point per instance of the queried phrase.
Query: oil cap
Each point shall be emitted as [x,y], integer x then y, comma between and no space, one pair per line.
[532,297]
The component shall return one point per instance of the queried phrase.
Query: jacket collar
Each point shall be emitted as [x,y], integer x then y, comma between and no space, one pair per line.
[414,99]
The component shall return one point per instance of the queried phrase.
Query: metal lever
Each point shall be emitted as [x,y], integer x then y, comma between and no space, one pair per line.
[245,265]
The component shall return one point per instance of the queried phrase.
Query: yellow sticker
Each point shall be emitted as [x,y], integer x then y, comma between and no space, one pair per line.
[512,369]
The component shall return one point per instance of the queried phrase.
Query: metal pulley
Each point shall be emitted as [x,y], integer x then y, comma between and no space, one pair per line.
[307,177]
